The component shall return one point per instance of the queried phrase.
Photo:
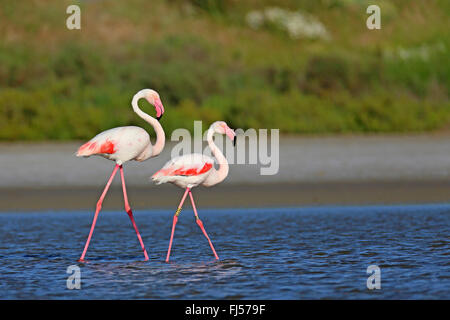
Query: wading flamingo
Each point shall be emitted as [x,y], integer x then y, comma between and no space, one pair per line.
[123,144]
[191,170]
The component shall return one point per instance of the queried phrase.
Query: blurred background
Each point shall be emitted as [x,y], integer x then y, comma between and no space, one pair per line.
[352,104]
[364,119]
[298,65]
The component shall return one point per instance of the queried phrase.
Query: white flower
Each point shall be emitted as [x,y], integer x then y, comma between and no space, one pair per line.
[275,14]
[422,52]
[296,24]
[254,19]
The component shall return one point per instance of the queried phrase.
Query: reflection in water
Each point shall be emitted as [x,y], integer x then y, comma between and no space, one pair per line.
[314,253]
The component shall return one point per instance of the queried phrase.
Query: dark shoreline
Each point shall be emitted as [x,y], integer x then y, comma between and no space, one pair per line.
[232,196]
[336,170]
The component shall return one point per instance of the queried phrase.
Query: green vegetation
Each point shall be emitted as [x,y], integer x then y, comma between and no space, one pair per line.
[208,63]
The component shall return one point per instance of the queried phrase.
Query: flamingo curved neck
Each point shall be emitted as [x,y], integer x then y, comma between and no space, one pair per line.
[222,172]
[160,136]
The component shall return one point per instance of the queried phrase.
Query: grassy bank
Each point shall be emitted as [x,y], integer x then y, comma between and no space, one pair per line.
[209,60]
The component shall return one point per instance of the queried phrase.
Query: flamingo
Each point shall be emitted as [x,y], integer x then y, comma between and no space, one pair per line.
[191,170]
[123,144]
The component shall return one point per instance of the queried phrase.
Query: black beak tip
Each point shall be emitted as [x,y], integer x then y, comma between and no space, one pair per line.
[234,141]
[157,118]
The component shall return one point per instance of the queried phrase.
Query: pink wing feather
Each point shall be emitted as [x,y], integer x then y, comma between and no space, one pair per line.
[188,165]
[96,147]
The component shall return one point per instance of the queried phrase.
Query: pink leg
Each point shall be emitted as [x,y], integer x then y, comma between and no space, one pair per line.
[175,219]
[200,224]
[99,206]
[130,213]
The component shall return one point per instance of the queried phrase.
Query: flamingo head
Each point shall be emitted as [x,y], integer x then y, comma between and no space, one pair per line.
[153,98]
[221,127]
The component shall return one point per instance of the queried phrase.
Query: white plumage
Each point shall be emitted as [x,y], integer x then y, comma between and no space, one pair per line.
[188,170]
[120,144]
[123,144]
[191,170]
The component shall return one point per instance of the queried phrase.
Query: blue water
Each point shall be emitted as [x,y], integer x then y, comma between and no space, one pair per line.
[295,253]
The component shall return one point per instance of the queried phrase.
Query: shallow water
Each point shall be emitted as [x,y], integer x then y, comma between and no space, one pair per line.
[295,253]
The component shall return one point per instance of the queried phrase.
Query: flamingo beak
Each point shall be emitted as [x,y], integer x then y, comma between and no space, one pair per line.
[159,108]
[230,133]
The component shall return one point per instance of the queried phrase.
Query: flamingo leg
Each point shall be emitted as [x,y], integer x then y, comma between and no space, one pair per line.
[98,208]
[200,224]
[175,220]
[130,213]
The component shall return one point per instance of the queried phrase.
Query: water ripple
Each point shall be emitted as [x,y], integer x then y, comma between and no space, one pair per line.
[313,253]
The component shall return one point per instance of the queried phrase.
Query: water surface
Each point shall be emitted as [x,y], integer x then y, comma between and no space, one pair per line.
[291,253]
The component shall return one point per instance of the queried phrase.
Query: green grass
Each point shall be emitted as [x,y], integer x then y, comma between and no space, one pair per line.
[207,64]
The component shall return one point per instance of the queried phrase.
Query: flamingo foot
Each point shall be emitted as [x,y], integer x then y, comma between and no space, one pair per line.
[174,223]
[175,220]
[97,210]
[130,213]
[200,224]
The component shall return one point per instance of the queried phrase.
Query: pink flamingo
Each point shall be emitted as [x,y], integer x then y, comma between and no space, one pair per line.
[123,144]
[191,170]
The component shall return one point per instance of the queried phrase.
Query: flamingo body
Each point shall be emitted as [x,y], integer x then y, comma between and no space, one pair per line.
[119,144]
[191,170]
[186,171]
[122,144]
